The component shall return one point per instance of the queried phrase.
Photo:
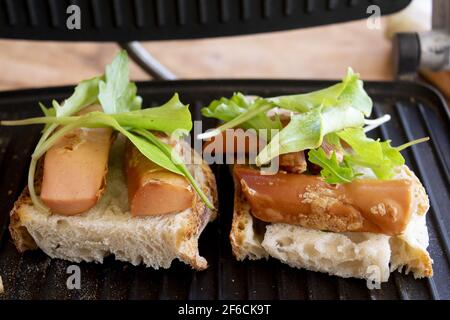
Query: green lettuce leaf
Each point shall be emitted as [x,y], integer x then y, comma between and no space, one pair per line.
[411,143]
[178,163]
[332,171]
[167,118]
[116,93]
[334,140]
[381,157]
[240,111]
[349,92]
[158,119]
[48,112]
[306,130]
[85,94]
[227,109]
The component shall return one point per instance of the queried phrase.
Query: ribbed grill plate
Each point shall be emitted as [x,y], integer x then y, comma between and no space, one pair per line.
[416,111]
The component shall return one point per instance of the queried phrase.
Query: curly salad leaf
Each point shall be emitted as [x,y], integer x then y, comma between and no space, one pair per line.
[116,93]
[85,94]
[314,115]
[336,113]
[306,130]
[332,171]
[379,156]
[122,112]
[171,116]
[349,92]
[240,111]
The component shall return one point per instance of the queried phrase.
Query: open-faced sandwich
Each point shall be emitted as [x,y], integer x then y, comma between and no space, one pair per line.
[338,202]
[108,177]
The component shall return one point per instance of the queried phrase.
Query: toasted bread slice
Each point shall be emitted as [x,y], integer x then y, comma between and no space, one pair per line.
[351,254]
[108,228]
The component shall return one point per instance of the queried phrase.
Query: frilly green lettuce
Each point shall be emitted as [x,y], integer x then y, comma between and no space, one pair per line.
[336,113]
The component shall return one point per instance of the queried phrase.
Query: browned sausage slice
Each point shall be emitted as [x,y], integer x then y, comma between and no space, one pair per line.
[153,190]
[362,205]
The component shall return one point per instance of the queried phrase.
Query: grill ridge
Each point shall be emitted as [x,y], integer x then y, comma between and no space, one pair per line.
[140,11]
[11,12]
[122,20]
[425,181]
[53,6]
[160,12]
[202,11]
[32,12]
[119,13]
[440,156]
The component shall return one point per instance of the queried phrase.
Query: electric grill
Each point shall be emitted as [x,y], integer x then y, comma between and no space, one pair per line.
[417,110]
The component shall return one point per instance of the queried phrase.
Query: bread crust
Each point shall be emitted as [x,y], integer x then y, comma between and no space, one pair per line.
[186,239]
[409,249]
[2,289]
[202,215]
[244,237]
[19,233]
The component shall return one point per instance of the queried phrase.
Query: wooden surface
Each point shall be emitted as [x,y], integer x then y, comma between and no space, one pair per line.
[315,53]
[440,80]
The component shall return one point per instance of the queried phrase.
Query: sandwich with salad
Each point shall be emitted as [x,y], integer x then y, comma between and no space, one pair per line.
[338,202]
[108,177]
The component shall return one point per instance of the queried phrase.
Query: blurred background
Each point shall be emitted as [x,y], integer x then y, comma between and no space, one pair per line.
[314,53]
[321,52]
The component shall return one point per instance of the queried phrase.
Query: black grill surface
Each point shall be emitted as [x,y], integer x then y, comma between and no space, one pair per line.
[126,20]
[416,111]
